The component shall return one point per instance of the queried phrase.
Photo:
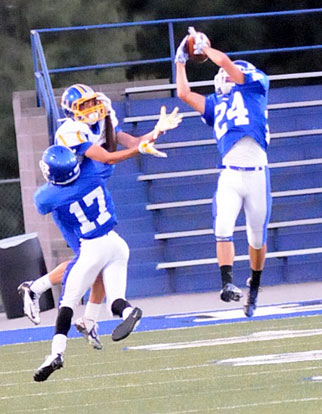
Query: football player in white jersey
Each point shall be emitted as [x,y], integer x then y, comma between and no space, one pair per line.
[80,200]
[92,131]
[237,112]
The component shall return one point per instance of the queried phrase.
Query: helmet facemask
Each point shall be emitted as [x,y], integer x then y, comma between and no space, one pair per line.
[80,103]
[89,114]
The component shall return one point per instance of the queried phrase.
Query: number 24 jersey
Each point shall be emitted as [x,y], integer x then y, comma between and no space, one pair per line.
[241,112]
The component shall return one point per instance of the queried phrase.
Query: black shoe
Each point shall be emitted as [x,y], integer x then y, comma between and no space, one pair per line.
[124,329]
[251,302]
[51,364]
[230,292]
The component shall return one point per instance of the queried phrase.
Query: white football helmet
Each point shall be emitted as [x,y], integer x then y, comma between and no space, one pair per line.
[223,84]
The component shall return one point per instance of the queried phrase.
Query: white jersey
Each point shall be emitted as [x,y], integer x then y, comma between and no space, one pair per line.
[246,152]
[72,133]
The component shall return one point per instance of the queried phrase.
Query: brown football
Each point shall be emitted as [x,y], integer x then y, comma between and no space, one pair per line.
[201,58]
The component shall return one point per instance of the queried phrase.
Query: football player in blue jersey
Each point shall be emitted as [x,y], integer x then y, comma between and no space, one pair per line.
[92,130]
[81,203]
[237,112]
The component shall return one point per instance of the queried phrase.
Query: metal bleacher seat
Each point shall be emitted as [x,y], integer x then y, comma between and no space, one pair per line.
[183,222]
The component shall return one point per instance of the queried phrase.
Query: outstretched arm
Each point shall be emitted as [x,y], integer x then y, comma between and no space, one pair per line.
[184,92]
[165,123]
[224,61]
[196,100]
[97,153]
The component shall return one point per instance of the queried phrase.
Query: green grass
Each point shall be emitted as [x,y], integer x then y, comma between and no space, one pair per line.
[186,380]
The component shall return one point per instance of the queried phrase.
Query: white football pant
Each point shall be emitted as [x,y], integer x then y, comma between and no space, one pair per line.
[109,254]
[247,189]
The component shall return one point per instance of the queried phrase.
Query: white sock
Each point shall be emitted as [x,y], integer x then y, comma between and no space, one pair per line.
[58,344]
[92,311]
[41,284]
[126,312]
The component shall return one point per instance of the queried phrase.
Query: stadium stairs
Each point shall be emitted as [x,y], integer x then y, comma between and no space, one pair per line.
[162,203]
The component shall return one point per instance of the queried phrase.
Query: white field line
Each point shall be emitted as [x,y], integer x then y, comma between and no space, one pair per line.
[266,372]
[255,337]
[162,397]
[283,358]
[118,374]
[238,407]
[251,349]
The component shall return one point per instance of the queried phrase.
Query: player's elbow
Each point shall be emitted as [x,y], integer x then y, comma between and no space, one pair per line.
[183,94]
[110,162]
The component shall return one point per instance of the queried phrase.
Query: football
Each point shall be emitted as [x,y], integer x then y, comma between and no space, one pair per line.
[200,58]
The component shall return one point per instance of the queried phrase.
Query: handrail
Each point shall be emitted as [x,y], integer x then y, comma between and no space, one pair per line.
[206,201]
[40,64]
[244,257]
[192,114]
[211,171]
[200,142]
[210,231]
[171,86]
[44,85]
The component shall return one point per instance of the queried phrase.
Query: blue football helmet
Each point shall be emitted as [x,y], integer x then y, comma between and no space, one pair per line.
[80,103]
[59,165]
[222,80]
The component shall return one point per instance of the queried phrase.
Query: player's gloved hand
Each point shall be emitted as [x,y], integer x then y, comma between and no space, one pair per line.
[108,106]
[105,101]
[167,122]
[200,40]
[147,147]
[181,53]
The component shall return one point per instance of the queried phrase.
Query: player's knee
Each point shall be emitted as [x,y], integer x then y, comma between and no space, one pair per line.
[256,239]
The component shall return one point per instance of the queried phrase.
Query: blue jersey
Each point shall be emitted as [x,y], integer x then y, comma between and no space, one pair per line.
[241,112]
[82,209]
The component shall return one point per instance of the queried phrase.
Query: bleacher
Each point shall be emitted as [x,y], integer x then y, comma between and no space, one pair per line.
[164,205]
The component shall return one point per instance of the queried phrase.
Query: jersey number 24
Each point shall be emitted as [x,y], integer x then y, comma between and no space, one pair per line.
[237,113]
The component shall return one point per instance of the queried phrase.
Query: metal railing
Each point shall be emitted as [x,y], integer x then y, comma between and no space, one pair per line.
[44,88]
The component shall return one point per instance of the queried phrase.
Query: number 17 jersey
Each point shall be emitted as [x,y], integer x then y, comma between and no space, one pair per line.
[242,112]
[84,207]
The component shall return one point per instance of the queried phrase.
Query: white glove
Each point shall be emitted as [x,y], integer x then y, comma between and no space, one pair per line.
[108,106]
[105,101]
[167,122]
[147,147]
[181,53]
[201,40]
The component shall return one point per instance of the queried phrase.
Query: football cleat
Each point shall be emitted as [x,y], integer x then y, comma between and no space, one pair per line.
[30,302]
[51,364]
[90,336]
[124,329]
[251,300]
[230,292]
